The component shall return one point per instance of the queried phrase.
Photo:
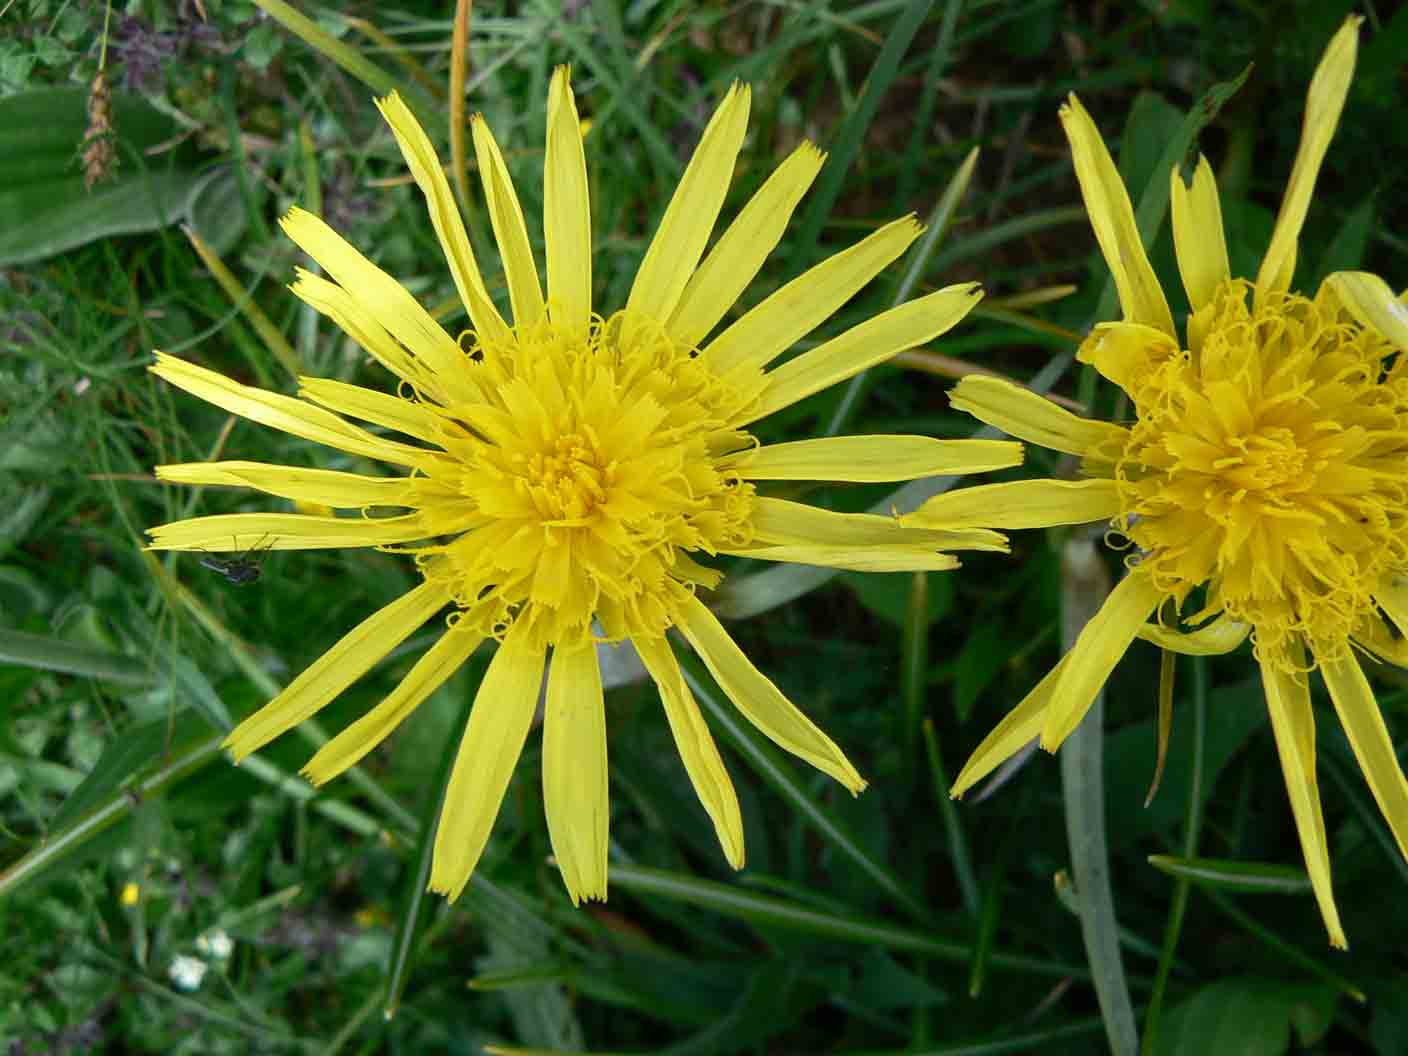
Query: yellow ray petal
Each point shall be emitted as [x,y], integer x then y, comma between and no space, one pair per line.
[574,771]
[1127,352]
[1369,299]
[510,230]
[865,345]
[567,215]
[1364,726]
[796,309]
[1112,216]
[1220,636]
[289,415]
[390,303]
[1293,722]
[698,752]
[1096,652]
[1030,417]
[761,702]
[856,558]
[1328,89]
[875,458]
[1392,597]
[360,324]
[424,164]
[689,218]
[740,251]
[1198,240]
[1018,728]
[346,491]
[785,523]
[493,741]
[1021,504]
[440,661]
[354,654]
[1373,634]
[379,408]
[284,531]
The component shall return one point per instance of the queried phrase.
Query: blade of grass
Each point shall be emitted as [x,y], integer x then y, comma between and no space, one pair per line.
[843,150]
[53,654]
[770,911]
[939,219]
[459,67]
[939,59]
[1192,827]
[1084,586]
[243,299]
[953,825]
[418,876]
[349,58]
[765,760]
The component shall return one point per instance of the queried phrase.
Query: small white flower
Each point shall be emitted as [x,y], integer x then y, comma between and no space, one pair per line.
[215,943]
[187,972]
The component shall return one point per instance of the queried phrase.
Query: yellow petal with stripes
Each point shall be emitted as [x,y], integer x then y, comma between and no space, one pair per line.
[285,413]
[1030,417]
[510,229]
[575,769]
[567,215]
[352,657]
[284,531]
[785,523]
[1293,722]
[873,458]
[741,250]
[1021,504]
[1102,642]
[1198,240]
[493,740]
[697,749]
[798,308]
[761,702]
[1364,726]
[327,487]
[424,163]
[863,346]
[430,672]
[1112,216]
[1328,90]
[689,218]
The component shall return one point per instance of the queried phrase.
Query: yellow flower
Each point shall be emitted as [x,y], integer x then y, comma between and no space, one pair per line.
[561,475]
[1267,464]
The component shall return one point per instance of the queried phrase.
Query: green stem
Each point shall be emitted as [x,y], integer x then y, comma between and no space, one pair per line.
[1085,585]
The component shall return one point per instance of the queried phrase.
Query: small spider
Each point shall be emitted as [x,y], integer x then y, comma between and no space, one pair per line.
[241,569]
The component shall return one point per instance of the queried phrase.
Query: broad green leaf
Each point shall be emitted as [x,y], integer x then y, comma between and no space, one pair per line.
[1249,1016]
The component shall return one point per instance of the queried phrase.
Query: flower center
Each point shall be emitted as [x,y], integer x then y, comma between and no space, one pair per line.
[566,483]
[588,462]
[1272,465]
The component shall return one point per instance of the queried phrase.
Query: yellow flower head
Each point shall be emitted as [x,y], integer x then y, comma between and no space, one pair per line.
[562,475]
[1267,464]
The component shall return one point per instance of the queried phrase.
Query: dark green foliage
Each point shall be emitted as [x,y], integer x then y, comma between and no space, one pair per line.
[849,930]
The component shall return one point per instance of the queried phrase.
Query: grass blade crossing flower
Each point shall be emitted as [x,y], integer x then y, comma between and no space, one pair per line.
[565,477]
[1264,479]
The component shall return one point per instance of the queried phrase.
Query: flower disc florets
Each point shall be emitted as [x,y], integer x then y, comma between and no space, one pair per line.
[591,462]
[1269,465]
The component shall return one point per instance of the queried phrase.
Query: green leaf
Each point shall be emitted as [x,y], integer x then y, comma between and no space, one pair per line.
[52,654]
[886,595]
[1242,1015]
[45,207]
[1346,250]
[124,757]
[1251,878]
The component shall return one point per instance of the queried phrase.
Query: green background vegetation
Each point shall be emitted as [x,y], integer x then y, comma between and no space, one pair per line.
[892,922]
